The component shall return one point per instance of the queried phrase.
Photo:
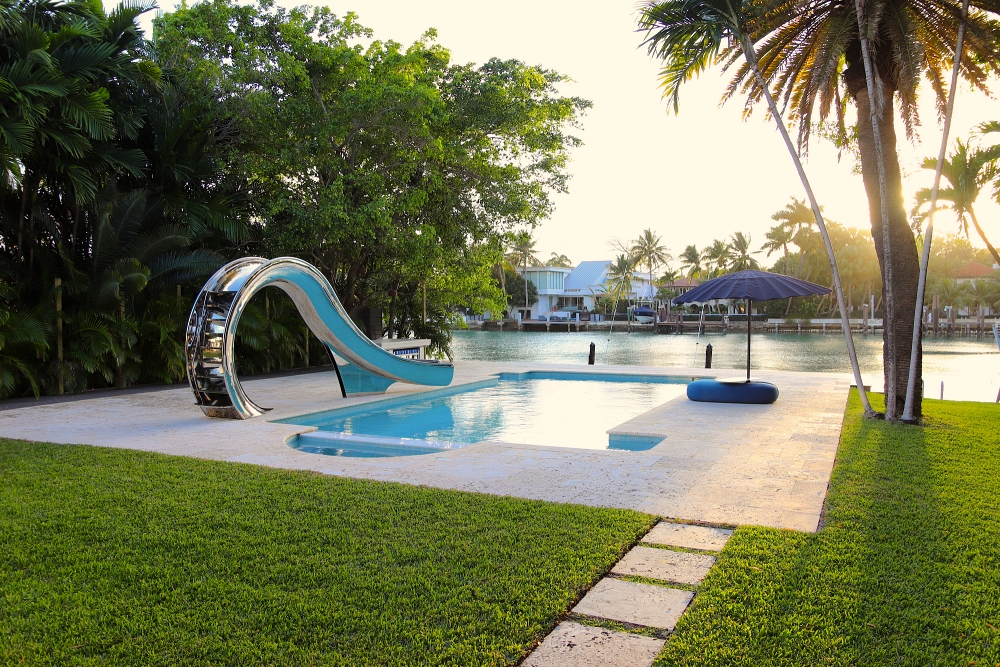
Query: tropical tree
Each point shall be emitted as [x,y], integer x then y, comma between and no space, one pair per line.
[717,257]
[523,247]
[952,292]
[691,261]
[797,216]
[968,169]
[982,292]
[812,55]
[778,238]
[19,330]
[742,256]
[691,35]
[619,280]
[649,250]
[559,261]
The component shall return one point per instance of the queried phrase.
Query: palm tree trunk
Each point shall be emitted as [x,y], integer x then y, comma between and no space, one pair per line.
[751,56]
[901,271]
[788,307]
[871,121]
[918,310]
[526,286]
[982,235]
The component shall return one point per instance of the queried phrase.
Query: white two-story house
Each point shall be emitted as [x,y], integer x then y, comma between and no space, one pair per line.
[575,289]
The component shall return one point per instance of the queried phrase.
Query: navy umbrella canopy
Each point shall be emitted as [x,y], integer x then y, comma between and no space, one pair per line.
[752,286]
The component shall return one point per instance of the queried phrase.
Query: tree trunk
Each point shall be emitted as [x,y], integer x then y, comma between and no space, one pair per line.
[751,57]
[901,284]
[982,235]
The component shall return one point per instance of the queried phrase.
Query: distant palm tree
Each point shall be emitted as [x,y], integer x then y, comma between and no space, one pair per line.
[952,292]
[691,261]
[559,261]
[967,170]
[524,248]
[648,250]
[717,257]
[778,238]
[741,254]
[983,292]
[620,272]
[797,216]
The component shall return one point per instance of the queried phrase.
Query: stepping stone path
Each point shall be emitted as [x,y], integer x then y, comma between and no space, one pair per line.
[657,606]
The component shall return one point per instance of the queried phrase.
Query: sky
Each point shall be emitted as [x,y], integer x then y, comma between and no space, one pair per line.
[693,177]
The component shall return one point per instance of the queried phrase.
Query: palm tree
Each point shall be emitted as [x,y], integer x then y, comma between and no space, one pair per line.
[981,292]
[952,293]
[524,248]
[742,255]
[813,56]
[798,217]
[918,308]
[717,256]
[691,35]
[691,261]
[620,272]
[560,261]
[648,250]
[61,128]
[18,330]
[967,170]
[778,238]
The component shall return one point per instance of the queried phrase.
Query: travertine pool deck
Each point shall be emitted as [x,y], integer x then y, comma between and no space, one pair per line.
[720,463]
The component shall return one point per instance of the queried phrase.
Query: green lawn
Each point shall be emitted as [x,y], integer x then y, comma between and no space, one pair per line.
[906,570]
[123,557]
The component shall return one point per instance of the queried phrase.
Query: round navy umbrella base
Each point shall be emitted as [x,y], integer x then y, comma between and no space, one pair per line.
[715,391]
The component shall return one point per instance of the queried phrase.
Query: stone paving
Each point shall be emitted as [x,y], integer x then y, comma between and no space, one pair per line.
[718,463]
[644,607]
[665,565]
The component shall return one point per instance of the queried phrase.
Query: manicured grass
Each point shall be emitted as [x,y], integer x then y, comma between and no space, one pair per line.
[123,557]
[906,570]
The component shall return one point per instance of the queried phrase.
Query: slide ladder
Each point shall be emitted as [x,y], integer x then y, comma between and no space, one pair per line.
[210,341]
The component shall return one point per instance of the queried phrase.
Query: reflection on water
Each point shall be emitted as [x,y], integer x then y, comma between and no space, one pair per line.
[969,368]
[532,412]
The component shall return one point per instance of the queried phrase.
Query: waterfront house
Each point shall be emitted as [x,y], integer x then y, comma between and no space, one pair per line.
[573,290]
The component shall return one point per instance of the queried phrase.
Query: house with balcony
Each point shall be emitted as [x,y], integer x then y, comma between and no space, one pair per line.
[575,289]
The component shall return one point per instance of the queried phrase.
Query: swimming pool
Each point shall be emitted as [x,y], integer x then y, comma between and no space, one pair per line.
[533,408]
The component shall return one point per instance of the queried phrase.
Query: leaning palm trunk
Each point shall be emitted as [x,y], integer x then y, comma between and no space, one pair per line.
[918,310]
[876,103]
[982,235]
[751,56]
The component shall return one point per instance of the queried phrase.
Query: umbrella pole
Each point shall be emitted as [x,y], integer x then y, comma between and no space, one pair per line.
[749,306]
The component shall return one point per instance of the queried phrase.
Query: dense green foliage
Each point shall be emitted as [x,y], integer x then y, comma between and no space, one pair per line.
[133,168]
[905,570]
[125,557]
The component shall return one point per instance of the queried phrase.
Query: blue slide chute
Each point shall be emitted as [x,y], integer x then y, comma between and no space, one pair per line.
[211,336]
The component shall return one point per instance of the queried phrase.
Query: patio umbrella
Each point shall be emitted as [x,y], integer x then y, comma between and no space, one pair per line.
[750,285]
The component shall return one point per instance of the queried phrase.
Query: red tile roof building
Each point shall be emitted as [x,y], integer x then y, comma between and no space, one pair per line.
[973,270]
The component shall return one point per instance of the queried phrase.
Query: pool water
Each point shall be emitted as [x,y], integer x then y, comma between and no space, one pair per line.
[556,409]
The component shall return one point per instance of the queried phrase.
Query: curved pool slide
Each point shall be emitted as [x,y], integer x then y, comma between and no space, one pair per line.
[211,336]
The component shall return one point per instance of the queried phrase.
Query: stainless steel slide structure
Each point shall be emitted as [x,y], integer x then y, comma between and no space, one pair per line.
[211,335]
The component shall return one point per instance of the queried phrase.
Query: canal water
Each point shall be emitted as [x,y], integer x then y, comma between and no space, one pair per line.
[969,367]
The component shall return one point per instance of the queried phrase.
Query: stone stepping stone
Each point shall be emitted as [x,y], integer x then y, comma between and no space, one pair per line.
[575,645]
[689,537]
[665,565]
[629,602]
